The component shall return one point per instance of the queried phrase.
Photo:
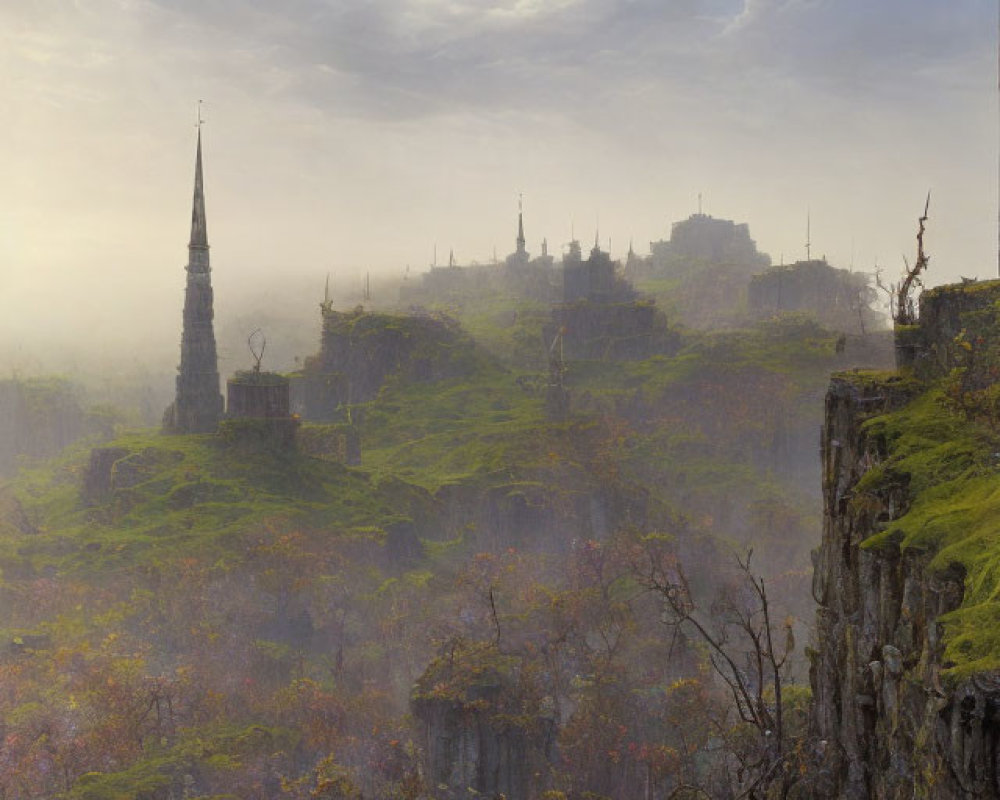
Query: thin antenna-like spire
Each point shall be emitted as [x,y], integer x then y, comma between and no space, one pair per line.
[808,235]
[699,204]
[520,225]
[326,291]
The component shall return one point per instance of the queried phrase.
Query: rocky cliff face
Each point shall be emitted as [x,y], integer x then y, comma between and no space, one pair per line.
[889,721]
[485,728]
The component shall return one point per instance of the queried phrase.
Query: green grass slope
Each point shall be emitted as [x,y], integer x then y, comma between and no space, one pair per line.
[231,621]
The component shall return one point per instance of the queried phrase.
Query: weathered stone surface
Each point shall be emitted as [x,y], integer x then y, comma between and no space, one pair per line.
[889,728]
[931,347]
[197,407]
[97,483]
[252,394]
[481,733]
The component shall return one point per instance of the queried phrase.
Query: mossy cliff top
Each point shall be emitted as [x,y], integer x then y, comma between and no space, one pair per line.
[967,291]
[931,347]
[933,434]
[145,497]
[871,382]
[951,468]
[948,467]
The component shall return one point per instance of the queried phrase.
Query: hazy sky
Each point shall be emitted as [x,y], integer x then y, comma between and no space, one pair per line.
[346,135]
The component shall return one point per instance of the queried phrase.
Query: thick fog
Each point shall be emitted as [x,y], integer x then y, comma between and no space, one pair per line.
[345,137]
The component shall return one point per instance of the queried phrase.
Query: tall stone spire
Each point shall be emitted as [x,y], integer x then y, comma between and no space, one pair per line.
[199,228]
[197,406]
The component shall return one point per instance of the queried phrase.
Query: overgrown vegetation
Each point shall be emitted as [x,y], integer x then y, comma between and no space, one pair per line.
[948,465]
[252,622]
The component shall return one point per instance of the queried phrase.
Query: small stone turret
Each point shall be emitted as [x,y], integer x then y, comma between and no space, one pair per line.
[257,395]
[257,411]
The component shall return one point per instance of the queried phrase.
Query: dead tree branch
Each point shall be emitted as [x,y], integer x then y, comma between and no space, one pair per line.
[739,626]
[904,313]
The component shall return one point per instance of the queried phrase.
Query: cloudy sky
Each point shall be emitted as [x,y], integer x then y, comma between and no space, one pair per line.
[346,135]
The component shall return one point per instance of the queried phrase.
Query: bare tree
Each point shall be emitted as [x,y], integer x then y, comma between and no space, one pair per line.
[901,294]
[740,637]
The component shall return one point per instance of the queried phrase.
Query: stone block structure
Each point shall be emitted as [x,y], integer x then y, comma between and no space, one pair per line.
[258,410]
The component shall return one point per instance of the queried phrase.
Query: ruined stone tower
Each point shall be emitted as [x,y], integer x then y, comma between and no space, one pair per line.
[197,406]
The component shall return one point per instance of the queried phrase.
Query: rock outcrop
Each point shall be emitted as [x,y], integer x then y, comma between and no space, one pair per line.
[485,728]
[891,719]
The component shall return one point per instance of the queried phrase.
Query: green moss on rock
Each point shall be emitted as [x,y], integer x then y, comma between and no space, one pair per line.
[951,468]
